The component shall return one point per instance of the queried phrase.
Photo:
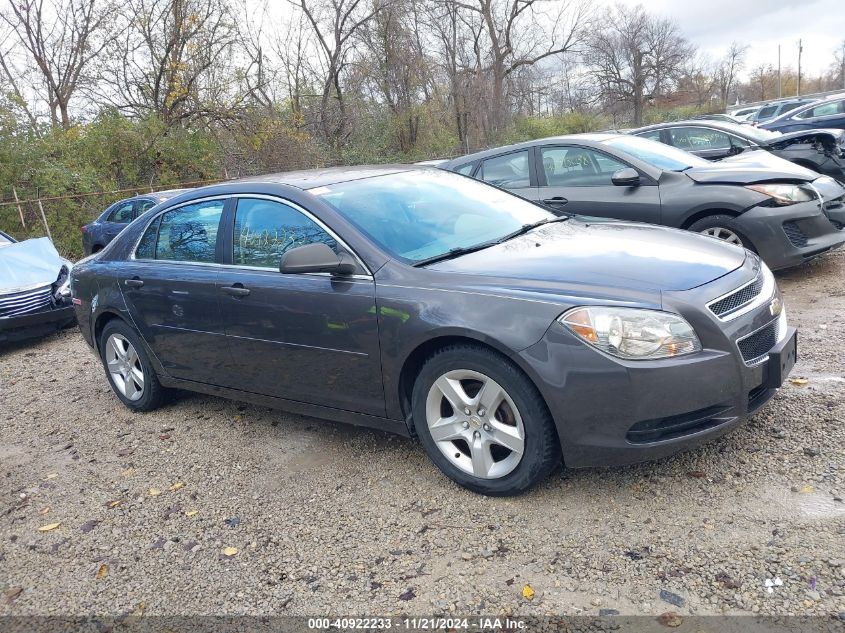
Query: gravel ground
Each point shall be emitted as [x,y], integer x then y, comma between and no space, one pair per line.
[332,519]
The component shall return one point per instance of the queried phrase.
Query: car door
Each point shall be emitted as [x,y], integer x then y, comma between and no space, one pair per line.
[708,143]
[170,288]
[306,337]
[577,179]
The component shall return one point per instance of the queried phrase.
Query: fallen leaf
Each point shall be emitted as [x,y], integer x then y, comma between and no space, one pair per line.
[154,492]
[164,436]
[808,603]
[191,513]
[102,572]
[139,610]
[671,619]
[128,472]
[48,527]
[798,381]
[12,593]
[528,592]
[697,474]
[125,452]
[806,489]
[115,503]
[230,551]
[176,486]
[44,510]
[52,475]
[238,418]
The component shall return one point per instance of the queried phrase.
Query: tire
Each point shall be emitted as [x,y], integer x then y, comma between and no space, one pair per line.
[151,393]
[726,223]
[467,449]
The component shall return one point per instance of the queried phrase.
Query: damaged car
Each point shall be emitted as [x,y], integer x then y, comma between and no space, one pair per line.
[781,211]
[34,288]
[820,150]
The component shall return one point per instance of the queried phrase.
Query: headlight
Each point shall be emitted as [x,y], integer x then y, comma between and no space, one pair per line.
[631,333]
[62,284]
[784,194]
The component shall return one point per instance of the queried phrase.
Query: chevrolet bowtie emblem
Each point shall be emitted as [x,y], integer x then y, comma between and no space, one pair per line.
[775,306]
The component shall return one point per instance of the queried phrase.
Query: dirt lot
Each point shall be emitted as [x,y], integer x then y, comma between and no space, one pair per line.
[331,519]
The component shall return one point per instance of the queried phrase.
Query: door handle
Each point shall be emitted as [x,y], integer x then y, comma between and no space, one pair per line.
[236,290]
[135,282]
[556,200]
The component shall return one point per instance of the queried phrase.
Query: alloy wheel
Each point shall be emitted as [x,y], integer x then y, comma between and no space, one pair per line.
[475,423]
[721,233]
[124,366]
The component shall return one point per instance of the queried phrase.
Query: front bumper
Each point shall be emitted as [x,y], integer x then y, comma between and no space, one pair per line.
[36,324]
[610,411]
[788,236]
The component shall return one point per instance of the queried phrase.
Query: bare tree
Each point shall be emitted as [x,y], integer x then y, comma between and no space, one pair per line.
[174,60]
[762,78]
[520,34]
[726,72]
[336,25]
[635,56]
[62,37]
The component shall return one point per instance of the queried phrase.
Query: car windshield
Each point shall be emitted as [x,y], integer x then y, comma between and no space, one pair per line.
[422,214]
[655,153]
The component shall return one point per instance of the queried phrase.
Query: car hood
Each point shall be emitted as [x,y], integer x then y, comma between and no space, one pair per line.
[832,136]
[750,168]
[604,253]
[29,264]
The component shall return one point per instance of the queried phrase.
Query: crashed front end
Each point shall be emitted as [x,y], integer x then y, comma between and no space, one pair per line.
[34,290]
[823,150]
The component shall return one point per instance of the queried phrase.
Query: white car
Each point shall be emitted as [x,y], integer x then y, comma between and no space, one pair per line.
[34,288]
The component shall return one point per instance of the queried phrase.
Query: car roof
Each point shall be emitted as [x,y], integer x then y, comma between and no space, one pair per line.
[725,126]
[323,177]
[809,104]
[591,138]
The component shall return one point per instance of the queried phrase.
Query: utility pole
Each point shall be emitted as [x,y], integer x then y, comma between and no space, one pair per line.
[800,50]
[779,93]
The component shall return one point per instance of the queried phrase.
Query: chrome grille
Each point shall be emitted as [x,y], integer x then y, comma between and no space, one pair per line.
[756,345]
[25,302]
[796,236]
[737,299]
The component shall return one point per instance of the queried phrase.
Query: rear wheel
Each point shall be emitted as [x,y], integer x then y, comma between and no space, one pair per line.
[128,368]
[722,227]
[482,421]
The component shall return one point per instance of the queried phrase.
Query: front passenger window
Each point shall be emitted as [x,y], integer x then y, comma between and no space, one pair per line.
[265,230]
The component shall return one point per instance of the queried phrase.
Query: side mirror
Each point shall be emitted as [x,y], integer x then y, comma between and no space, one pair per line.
[316,258]
[627,177]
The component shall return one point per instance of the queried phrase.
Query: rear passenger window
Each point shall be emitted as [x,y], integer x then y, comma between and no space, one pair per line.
[654,135]
[145,205]
[466,170]
[265,230]
[509,171]
[189,233]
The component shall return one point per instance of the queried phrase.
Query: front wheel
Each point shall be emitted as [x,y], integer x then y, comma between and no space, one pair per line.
[722,227]
[483,422]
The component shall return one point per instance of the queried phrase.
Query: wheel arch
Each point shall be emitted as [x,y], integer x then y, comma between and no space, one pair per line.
[415,360]
[100,324]
[705,213]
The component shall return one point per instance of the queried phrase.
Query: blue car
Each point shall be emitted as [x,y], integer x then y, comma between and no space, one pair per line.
[825,113]
[114,219]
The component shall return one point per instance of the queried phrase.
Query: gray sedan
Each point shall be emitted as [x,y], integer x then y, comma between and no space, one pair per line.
[778,209]
[427,304]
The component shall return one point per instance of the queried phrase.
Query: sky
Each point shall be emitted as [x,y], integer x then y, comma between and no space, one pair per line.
[761,24]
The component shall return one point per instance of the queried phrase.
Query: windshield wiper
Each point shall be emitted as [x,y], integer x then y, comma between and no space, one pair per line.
[463,250]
